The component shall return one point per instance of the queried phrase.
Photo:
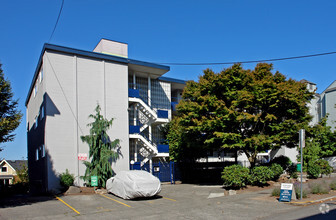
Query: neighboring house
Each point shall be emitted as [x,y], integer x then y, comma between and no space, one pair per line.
[327,105]
[67,86]
[8,169]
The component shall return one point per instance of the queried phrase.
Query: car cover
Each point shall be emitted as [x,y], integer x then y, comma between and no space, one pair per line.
[133,184]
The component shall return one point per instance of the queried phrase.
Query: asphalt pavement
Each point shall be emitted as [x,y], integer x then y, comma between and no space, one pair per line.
[180,201]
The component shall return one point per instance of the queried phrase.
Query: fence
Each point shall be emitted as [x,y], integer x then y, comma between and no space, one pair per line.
[165,171]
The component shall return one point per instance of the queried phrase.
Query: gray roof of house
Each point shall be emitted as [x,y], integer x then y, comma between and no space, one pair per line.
[17,164]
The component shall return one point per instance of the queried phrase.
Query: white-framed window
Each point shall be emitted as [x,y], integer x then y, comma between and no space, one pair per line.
[4,169]
[37,154]
[43,151]
[41,74]
[35,90]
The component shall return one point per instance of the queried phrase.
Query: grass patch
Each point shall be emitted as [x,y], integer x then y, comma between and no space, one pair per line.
[332,185]
[317,188]
[276,192]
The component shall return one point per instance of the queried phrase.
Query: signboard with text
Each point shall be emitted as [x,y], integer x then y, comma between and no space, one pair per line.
[286,191]
[94,180]
[82,156]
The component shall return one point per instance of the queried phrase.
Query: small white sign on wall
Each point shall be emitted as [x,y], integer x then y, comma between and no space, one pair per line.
[82,156]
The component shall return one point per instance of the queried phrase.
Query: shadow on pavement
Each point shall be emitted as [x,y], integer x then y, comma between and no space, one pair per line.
[330,215]
[21,200]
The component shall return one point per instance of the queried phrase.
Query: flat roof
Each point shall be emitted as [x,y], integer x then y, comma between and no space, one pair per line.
[89,54]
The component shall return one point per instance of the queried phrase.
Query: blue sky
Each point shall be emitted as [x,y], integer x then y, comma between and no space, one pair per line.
[170,31]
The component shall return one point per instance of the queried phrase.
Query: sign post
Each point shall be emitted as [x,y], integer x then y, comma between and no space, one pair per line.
[286,192]
[302,145]
[94,181]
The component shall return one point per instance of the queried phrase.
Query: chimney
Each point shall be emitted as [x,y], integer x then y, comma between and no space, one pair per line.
[112,48]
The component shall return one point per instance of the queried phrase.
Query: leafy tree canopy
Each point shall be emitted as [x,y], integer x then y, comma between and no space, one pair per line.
[10,116]
[238,109]
[101,149]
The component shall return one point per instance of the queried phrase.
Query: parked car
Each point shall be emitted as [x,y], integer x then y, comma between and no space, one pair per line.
[133,184]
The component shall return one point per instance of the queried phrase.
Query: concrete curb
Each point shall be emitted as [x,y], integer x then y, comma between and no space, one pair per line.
[313,201]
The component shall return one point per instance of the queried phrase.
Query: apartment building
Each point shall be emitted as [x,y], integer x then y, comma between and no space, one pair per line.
[66,88]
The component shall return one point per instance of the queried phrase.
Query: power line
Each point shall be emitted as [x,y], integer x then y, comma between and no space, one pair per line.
[59,15]
[250,61]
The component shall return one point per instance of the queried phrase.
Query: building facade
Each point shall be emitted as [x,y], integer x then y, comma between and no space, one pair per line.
[66,88]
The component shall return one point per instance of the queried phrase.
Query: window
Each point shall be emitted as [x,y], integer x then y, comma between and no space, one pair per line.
[41,74]
[43,151]
[35,90]
[37,155]
[36,121]
[42,113]
[4,169]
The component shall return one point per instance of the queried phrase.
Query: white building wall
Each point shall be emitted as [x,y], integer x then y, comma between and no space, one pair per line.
[60,124]
[83,83]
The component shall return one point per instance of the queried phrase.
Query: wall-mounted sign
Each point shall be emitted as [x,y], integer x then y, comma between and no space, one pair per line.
[82,156]
[286,192]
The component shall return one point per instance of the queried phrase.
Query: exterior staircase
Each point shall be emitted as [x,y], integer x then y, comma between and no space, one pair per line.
[149,116]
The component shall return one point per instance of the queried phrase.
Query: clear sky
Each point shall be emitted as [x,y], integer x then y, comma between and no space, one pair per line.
[170,31]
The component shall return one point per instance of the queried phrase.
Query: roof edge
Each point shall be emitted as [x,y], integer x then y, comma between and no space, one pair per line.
[90,54]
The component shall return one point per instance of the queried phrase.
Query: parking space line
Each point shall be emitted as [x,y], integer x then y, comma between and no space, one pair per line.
[115,200]
[68,205]
[169,199]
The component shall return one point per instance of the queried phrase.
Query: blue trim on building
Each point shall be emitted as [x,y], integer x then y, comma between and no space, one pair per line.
[68,50]
[162,114]
[134,93]
[168,79]
[134,129]
[163,148]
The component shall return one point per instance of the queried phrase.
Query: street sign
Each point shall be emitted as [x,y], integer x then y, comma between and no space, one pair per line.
[286,192]
[82,156]
[94,180]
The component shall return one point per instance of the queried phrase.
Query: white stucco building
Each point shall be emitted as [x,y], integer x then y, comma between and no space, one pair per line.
[67,86]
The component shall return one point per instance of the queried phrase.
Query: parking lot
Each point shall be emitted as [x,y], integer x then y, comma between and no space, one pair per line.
[181,201]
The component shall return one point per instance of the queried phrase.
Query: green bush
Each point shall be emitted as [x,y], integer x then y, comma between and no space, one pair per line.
[66,179]
[282,160]
[235,176]
[292,171]
[333,185]
[276,192]
[277,170]
[317,188]
[325,168]
[260,175]
[313,170]
[298,193]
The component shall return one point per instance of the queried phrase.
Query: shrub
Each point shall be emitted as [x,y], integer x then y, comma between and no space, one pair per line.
[292,171]
[325,168]
[333,185]
[235,176]
[277,170]
[66,179]
[276,192]
[260,175]
[298,193]
[317,188]
[283,161]
[313,170]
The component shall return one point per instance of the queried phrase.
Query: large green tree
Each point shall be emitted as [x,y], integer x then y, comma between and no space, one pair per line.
[320,142]
[10,116]
[239,109]
[102,150]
